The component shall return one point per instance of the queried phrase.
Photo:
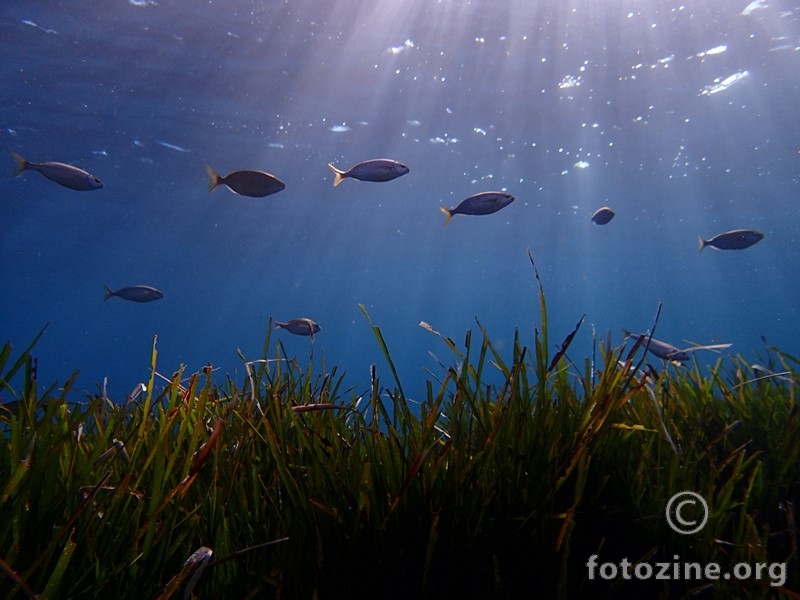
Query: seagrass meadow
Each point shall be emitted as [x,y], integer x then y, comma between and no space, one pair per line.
[287,484]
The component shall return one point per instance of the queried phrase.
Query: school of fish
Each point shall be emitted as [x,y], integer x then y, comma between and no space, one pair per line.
[258,184]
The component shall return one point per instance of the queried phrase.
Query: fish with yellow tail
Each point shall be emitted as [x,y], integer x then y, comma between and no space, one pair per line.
[484,203]
[255,184]
[63,174]
[376,170]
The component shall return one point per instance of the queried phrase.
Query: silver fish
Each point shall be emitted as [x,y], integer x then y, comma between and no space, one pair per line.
[660,349]
[63,174]
[484,203]
[256,184]
[135,293]
[301,326]
[737,239]
[603,215]
[379,169]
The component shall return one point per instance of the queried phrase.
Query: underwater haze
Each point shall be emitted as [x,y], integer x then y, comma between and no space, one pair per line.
[682,118]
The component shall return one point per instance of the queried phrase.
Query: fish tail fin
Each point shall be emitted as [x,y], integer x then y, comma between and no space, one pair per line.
[701,243]
[280,325]
[109,292]
[338,176]
[22,164]
[213,177]
[448,214]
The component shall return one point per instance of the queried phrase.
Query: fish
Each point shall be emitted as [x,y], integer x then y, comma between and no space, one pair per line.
[670,352]
[484,203]
[301,326]
[255,184]
[135,293]
[377,170]
[660,349]
[737,239]
[63,174]
[602,215]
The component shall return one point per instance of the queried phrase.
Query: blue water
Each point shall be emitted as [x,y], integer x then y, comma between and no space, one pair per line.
[682,118]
